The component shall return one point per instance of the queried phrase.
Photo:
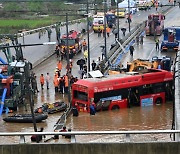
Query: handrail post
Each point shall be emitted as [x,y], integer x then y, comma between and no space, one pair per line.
[22,139]
[73,139]
[128,138]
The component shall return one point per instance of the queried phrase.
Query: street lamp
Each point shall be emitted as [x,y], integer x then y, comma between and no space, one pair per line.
[68,63]
[88,36]
[105,41]
[117,17]
[129,16]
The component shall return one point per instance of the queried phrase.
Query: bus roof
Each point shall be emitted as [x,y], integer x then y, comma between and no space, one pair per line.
[150,76]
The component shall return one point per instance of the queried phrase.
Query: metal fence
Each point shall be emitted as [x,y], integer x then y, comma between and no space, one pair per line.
[127,135]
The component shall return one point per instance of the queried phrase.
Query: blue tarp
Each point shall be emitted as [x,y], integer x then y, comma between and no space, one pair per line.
[2,100]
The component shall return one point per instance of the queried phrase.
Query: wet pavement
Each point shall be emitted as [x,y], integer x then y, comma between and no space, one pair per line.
[136,118]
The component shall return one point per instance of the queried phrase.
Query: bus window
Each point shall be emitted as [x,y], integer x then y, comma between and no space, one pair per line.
[119,92]
[147,89]
[158,87]
[80,95]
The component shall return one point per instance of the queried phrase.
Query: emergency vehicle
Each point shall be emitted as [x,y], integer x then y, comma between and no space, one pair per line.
[74,41]
[155,24]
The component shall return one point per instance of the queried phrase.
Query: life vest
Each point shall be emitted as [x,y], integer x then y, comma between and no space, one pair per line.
[66,80]
[42,79]
[84,43]
[56,82]
[108,30]
[59,65]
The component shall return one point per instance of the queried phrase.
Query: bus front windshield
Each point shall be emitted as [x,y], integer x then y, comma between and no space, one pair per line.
[70,42]
[79,95]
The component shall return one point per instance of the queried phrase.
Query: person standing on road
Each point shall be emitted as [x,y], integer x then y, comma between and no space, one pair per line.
[42,81]
[84,44]
[141,37]
[157,44]
[108,31]
[99,32]
[47,80]
[66,83]
[57,51]
[93,65]
[131,48]
[59,66]
[34,84]
[137,40]
[56,82]
[61,85]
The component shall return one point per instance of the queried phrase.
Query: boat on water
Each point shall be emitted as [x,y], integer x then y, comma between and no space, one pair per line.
[51,108]
[25,118]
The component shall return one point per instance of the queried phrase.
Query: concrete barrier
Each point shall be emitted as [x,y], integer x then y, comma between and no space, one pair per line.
[93,148]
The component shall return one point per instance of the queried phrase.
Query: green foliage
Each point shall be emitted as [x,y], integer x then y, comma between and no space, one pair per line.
[12,6]
[35,6]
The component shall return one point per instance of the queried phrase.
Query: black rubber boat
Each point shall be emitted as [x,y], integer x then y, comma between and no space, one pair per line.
[52,108]
[25,118]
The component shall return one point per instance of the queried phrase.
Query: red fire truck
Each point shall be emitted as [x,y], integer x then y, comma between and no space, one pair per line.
[74,41]
[123,90]
[155,24]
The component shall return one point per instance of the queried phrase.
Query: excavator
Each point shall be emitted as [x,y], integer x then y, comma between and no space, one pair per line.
[141,65]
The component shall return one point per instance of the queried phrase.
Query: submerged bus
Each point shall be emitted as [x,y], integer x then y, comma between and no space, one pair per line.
[123,90]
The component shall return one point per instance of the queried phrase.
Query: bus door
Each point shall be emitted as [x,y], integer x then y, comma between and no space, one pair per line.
[133,97]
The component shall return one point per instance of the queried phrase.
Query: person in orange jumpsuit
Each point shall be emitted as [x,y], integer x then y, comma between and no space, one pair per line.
[42,81]
[84,44]
[66,84]
[108,31]
[56,82]
[59,66]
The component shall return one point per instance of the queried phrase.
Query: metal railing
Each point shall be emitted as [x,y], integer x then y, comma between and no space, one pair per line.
[73,134]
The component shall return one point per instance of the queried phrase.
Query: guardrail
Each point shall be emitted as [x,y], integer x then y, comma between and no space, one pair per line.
[73,134]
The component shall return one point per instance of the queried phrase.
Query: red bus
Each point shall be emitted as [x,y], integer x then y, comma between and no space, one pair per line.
[123,90]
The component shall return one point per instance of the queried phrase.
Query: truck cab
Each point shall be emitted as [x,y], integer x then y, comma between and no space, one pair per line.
[171,39]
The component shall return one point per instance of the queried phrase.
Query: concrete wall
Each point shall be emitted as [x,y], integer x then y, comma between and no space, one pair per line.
[93,148]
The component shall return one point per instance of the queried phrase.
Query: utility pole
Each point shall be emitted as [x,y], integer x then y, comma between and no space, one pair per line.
[105,41]
[129,16]
[117,17]
[89,69]
[68,63]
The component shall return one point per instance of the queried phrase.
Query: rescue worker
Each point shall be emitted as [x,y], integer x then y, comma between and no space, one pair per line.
[56,82]
[42,81]
[86,55]
[157,44]
[57,71]
[66,83]
[84,44]
[47,80]
[61,85]
[59,65]
[108,31]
